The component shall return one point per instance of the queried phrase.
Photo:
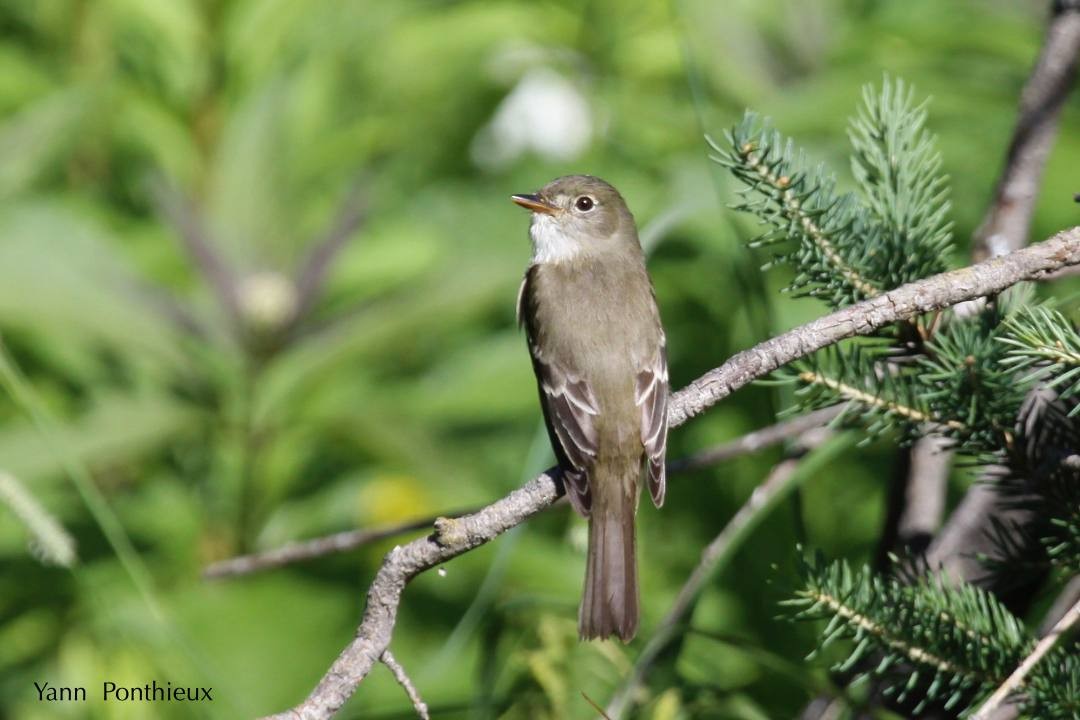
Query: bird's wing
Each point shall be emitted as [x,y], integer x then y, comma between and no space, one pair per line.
[651,396]
[569,407]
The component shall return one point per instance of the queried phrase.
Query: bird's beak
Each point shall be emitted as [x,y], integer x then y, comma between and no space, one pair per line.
[535,203]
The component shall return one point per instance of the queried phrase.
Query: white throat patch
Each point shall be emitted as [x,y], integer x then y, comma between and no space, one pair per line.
[550,243]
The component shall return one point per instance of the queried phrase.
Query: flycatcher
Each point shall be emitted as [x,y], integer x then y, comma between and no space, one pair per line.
[597,349]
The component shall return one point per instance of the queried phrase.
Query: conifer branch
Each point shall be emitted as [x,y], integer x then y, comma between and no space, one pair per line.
[839,608]
[849,246]
[1004,228]
[796,214]
[1042,340]
[898,168]
[959,639]
[861,396]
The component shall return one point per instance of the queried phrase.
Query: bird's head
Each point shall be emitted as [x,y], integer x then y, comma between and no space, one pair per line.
[577,215]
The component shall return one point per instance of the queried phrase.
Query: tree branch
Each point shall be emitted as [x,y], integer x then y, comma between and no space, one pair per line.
[403,680]
[916,503]
[924,508]
[756,440]
[1068,597]
[1015,681]
[454,537]
[1006,225]
[1004,228]
[314,548]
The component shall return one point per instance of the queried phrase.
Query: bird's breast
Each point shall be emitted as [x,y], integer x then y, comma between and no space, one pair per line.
[599,321]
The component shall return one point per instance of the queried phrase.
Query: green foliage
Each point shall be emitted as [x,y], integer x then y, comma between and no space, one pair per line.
[899,173]
[957,386]
[48,538]
[1053,693]
[938,642]
[942,641]
[912,377]
[402,389]
[879,394]
[962,376]
[823,229]
[846,247]
[1042,341]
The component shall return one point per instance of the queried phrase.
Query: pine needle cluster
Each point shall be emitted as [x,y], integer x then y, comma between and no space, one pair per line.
[945,644]
[1054,691]
[1041,341]
[956,386]
[847,246]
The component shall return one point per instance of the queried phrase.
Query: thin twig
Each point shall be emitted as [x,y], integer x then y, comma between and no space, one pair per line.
[595,706]
[1065,601]
[1016,681]
[756,440]
[780,480]
[456,536]
[316,547]
[352,539]
[403,680]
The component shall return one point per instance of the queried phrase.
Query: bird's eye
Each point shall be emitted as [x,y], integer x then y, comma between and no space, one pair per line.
[584,203]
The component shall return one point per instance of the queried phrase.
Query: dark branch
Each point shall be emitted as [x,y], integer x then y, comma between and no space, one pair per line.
[314,548]
[756,440]
[1005,227]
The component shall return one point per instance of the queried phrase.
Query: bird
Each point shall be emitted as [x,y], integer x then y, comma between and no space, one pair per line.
[599,354]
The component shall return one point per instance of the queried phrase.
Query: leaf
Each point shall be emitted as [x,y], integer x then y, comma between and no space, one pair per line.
[60,273]
[36,138]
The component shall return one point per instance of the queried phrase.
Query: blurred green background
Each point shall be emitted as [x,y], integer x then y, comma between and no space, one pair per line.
[233,406]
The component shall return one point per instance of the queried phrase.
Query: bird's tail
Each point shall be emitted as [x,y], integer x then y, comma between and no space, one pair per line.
[609,605]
